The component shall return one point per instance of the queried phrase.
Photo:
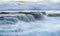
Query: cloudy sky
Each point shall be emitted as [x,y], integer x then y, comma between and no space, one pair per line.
[55,1]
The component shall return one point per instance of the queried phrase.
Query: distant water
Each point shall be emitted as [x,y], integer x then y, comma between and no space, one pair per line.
[30,6]
[50,26]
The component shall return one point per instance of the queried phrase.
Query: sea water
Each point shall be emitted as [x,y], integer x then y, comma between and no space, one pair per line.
[48,26]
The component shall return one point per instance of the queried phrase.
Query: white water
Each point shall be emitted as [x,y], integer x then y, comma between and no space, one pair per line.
[49,26]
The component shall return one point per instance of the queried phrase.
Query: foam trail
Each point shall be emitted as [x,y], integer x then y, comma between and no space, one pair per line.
[31,17]
[24,18]
[8,20]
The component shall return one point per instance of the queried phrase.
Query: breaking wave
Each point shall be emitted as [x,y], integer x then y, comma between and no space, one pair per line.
[30,25]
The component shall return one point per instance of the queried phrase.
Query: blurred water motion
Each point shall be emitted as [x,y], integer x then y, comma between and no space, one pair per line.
[29,25]
[7,20]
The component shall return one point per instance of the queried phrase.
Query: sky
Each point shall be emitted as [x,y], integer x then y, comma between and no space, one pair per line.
[55,1]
